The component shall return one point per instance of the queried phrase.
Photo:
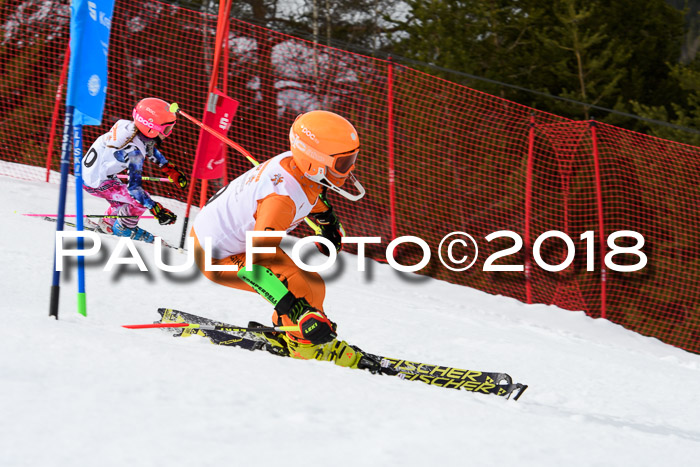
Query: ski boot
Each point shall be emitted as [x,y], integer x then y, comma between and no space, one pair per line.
[273,340]
[339,352]
[105,226]
[136,233]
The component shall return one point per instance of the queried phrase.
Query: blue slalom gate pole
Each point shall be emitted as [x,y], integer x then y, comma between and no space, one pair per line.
[78,172]
[90,24]
[65,163]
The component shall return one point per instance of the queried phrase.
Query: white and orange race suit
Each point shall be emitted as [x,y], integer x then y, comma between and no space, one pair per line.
[272,196]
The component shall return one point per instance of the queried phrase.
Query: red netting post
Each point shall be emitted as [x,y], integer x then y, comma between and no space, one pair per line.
[528,207]
[56,106]
[601,227]
[390,147]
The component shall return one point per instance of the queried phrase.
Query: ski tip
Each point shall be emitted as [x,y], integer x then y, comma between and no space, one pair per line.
[517,391]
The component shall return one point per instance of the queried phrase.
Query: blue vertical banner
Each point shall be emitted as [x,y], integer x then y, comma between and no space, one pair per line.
[90,25]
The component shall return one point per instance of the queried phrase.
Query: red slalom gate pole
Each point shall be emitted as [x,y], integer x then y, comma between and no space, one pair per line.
[221,30]
[54,115]
[221,137]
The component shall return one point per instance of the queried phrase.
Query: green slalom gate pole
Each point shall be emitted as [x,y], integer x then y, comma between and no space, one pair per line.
[78,172]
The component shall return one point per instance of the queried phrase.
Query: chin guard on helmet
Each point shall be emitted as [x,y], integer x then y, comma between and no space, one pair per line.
[321,179]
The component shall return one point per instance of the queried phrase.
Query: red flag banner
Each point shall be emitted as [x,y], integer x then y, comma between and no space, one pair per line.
[211,155]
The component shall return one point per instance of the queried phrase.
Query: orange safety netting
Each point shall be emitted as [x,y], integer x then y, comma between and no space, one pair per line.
[436,157]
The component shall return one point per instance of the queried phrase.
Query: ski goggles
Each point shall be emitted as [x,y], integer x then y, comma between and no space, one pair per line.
[164,129]
[343,163]
[340,164]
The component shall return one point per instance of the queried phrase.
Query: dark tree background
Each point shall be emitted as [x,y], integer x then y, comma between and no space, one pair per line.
[633,56]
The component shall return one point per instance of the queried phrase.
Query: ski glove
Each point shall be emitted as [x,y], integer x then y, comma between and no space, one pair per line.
[313,324]
[330,225]
[175,176]
[315,327]
[164,215]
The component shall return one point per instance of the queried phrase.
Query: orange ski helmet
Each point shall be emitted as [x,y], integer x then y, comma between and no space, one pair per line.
[153,117]
[325,147]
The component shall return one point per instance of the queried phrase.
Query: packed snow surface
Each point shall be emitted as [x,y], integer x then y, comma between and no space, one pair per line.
[83,391]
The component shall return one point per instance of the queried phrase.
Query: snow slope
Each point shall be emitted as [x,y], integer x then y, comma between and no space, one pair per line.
[87,392]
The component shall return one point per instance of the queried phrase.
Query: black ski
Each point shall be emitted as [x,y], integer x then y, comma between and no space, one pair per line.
[500,384]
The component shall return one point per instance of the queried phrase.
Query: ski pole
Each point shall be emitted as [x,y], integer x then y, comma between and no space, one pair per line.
[89,215]
[149,179]
[207,327]
[174,108]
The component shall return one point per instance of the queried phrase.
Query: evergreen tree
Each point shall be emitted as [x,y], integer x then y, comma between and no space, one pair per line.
[588,64]
[491,39]
[684,113]
[602,53]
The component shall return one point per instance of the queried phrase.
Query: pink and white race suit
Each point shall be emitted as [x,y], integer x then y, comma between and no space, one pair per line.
[121,148]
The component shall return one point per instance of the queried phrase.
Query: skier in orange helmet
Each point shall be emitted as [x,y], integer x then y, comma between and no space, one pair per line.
[276,196]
